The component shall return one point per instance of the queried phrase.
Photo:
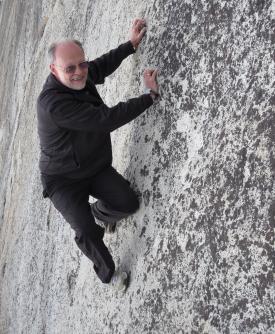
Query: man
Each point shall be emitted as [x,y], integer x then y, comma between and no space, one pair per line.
[74,128]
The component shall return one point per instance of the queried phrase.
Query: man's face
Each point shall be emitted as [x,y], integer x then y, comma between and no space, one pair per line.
[68,54]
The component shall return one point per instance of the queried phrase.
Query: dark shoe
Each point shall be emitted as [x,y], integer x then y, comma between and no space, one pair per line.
[109,227]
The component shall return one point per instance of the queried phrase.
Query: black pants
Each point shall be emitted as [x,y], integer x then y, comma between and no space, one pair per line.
[116,200]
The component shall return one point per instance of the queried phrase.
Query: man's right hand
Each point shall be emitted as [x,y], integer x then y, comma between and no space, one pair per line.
[150,80]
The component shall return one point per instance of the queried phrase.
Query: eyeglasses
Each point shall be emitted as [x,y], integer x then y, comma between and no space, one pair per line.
[72,68]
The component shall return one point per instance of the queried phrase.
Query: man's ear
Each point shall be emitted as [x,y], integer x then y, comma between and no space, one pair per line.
[52,69]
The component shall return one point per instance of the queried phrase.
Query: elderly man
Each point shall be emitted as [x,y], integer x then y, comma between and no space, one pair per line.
[74,128]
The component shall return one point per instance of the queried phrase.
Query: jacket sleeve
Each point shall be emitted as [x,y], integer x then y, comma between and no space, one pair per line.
[105,65]
[83,116]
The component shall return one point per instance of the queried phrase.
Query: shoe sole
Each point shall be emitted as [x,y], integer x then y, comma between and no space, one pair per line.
[127,281]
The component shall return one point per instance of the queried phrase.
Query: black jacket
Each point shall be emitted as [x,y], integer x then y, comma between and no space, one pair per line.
[74,125]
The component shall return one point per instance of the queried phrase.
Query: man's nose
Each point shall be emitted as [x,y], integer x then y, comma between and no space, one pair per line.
[79,70]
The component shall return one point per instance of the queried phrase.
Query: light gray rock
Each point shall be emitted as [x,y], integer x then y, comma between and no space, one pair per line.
[200,248]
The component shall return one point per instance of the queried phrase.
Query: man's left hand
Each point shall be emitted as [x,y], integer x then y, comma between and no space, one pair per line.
[137,32]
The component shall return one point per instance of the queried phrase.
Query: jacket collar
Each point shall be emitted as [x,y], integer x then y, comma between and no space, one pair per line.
[52,83]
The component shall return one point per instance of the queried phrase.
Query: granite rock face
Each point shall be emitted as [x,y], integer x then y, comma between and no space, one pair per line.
[201,246]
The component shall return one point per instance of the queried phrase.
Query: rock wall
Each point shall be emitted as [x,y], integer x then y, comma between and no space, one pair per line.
[200,248]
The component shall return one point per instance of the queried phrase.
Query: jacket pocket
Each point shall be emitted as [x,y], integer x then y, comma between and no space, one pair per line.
[58,161]
[76,160]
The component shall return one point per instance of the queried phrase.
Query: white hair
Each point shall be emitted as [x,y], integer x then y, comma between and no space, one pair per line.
[53,46]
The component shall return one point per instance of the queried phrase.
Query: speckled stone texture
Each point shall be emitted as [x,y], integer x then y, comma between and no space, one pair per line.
[200,248]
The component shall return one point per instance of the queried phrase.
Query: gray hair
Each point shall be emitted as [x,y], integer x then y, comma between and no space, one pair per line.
[53,46]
